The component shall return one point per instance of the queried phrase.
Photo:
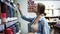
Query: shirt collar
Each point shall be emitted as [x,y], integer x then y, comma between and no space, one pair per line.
[40,18]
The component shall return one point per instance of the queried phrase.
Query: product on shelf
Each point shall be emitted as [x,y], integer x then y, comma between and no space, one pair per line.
[3,17]
[10,11]
[15,28]
[9,30]
[3,8]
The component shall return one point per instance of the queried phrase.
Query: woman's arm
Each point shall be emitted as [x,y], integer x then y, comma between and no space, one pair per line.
[18,6]
[23,17]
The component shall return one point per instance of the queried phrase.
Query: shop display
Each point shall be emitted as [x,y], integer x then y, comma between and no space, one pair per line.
[7,11]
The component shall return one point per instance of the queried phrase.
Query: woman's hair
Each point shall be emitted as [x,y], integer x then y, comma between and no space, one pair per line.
[41,8]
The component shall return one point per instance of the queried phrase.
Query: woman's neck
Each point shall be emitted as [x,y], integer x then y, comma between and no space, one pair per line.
[38,15]
[37,18]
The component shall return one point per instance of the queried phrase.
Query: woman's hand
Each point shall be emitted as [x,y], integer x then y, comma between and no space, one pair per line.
[18,6]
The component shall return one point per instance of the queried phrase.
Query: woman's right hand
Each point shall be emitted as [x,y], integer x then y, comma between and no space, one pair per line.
[18,6]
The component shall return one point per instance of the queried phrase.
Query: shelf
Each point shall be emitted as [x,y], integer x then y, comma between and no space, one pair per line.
[53,9]
[11,23]
[8,24]
[52,16]
[52,21]
[11,19]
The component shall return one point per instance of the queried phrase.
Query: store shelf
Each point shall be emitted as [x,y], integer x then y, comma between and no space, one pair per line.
[11,23]
[52,21]
[8,24]
[11,19]
[53,9]
[52,16]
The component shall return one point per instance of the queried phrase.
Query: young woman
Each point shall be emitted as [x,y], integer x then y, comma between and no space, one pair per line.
[43,27]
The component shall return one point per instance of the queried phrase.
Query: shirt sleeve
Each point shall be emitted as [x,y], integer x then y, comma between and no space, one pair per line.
[46,29]
[27,19]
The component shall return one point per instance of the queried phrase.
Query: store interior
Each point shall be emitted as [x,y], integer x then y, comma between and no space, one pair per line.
[12,23]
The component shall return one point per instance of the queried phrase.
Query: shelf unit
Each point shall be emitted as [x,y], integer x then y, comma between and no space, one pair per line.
[51,17]
[50,22]
[11,21]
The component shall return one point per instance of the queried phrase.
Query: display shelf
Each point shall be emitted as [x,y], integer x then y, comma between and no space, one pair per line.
[11,19]
[53,9]
[11,23]
[52,16]
[8,24]
[52,21]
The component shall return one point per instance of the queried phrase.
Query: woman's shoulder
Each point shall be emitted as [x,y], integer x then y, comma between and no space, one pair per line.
[44,20]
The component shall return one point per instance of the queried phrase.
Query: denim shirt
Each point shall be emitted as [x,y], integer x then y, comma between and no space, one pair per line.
[43,27]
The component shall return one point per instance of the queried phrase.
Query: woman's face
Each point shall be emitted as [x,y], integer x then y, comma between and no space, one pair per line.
[33,8]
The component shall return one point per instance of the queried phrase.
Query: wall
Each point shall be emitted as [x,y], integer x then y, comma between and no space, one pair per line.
[24,24]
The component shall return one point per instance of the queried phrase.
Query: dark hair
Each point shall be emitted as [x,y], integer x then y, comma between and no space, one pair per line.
[41,8]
